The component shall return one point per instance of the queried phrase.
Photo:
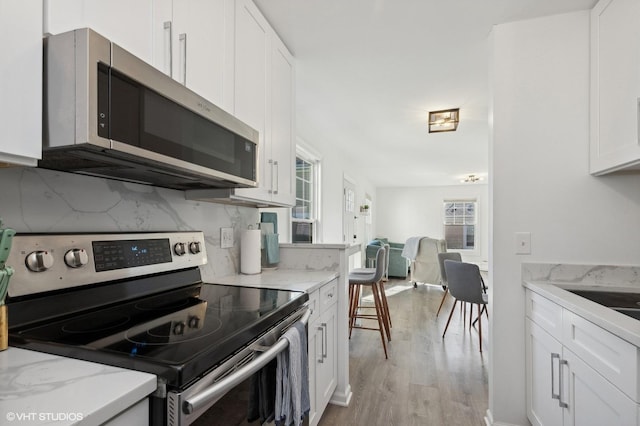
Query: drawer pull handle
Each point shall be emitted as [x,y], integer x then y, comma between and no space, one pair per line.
[560,364]
[554,395]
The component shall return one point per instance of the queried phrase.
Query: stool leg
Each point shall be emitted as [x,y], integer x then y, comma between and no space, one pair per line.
[380,314]
[385,304]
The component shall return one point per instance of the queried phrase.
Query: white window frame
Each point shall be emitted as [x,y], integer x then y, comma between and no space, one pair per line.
[313,158]
[476,237]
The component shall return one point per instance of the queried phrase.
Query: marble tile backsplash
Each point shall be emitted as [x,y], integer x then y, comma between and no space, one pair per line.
[593,275]
[39,200]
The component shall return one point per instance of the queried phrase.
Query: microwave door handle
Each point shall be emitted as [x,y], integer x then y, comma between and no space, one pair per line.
[168,43]
[182,38]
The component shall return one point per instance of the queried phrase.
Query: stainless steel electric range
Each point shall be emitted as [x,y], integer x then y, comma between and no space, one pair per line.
[137,301]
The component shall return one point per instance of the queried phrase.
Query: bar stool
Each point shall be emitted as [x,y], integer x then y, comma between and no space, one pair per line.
[385,277]
[356,281]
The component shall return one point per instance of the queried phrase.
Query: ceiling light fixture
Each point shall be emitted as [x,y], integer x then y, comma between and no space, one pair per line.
[445,120]
[471,179]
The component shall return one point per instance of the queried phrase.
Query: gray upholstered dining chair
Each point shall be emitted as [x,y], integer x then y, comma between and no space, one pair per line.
[465,285]
[374,281]
[443,274]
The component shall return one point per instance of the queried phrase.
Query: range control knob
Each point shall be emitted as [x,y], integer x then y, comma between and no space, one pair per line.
[194,322]
[39,261]
[179,249]
[194,247]
[76,258]
[178,328]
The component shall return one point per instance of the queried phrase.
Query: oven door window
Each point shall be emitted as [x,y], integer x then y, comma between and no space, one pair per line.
[143,118]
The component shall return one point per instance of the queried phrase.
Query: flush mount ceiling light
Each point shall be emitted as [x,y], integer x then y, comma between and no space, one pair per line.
[471,179]
[444,121]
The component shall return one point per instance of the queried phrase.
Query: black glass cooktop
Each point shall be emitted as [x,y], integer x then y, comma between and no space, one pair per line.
[178,335]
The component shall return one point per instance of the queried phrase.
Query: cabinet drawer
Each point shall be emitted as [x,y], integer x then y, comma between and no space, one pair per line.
[545,313]
[609,355]
[328,295]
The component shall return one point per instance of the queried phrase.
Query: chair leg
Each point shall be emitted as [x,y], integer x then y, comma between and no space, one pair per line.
[444,296]
[480,326]
[450,315]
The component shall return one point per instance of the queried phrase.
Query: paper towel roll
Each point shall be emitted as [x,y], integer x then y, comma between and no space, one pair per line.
[250,251]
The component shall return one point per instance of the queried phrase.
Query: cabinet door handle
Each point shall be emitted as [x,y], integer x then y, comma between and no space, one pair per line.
[277,173]
[183,55]
[271,165]
[325,351]
[321,330]
[554,395]
[561,381]
[168,45]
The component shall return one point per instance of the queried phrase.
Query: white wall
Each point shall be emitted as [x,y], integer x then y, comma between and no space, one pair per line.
[401,213]
[333,169]
[540,183]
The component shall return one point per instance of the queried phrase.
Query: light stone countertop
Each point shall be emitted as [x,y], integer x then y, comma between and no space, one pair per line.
[38,388]
[619,324]
[284,279]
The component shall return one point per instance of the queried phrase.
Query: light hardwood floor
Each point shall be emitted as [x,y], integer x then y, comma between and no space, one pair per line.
[427,380]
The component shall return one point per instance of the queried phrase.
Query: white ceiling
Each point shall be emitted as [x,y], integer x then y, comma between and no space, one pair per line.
[368,72]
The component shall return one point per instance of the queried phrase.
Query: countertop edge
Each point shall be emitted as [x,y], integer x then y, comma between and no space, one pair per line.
[94,393]
[283,279]
[619,324]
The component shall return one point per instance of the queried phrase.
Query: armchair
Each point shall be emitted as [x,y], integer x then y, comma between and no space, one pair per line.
[398,265]
[426,267]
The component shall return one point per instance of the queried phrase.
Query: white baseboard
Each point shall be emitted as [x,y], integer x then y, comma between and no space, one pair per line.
[340,398]
[488,420]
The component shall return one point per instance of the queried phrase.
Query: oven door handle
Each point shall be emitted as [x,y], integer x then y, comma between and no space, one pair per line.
[218,389]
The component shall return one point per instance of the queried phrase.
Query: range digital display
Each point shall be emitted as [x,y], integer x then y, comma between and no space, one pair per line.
[110,255]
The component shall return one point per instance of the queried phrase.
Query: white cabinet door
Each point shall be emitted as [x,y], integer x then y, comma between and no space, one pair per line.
[264,99]
[282,123]
[251,78]
[126,23]
[615,86]
[593,401]
[315,358]
[327,377]
[543,380]
[199,46]
[21,81]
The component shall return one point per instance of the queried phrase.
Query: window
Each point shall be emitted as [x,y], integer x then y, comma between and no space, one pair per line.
[460,224]
[305,213]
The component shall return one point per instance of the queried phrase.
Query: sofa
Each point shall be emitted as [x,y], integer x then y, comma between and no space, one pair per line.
[398,265]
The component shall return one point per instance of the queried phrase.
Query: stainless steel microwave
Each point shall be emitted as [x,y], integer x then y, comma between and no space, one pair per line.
[107,113]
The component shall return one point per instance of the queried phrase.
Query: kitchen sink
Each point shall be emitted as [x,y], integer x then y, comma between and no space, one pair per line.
[625,303]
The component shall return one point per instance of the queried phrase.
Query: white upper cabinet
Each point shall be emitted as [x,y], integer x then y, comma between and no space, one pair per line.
[264,99]
[190,41]
[21,82]
[124,22]
[615,86]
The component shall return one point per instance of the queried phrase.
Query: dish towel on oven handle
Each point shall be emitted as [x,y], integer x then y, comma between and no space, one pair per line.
[292,379]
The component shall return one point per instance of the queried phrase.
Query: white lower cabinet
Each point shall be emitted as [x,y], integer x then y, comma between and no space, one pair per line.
[323,367]
[564,388]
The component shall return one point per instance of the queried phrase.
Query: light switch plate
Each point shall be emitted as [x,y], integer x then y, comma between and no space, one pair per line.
[226,237]
[523,242]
